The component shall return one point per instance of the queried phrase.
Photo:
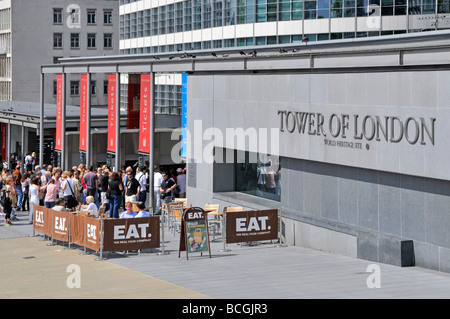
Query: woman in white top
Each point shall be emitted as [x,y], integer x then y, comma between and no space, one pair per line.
[91,206]
[68,188]
[34,197]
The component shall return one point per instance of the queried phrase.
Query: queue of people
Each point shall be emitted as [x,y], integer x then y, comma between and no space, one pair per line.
[92,188]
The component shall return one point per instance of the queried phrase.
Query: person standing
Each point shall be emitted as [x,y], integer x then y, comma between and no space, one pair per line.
[68,188]
[12,192]
[18,186]
[25,191]
[34,197]
[167,187]
[104,181]
[181,182]
[91,180]
[51,194]
[115,189]
[28,162]
[132,188]
[7,205]
[157,179]
[141,177]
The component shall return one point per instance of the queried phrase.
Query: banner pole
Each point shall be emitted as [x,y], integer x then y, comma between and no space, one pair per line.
[163,252]
[34,221]
[70,230]
[102,238]
[53,226]
[224,232]
[280,237]
[84,236]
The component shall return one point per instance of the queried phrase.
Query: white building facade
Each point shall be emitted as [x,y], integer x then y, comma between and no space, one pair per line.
[157,26]
[33,34]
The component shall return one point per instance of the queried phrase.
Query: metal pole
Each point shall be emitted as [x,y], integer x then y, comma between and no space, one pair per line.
[280,241]
[8,146]
[63,119]
[102,238]
[151,163]
[41,122]
[117,158]
[88,121]
[23,150]
[163,252]
[224,230]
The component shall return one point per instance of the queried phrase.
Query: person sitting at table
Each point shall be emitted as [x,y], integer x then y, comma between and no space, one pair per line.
[60,205]
[91,205]
[142,212]
[128,213]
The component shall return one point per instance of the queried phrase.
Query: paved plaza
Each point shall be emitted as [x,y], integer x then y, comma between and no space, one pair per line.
[37,269]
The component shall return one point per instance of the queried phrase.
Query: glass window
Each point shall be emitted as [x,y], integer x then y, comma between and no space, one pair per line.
[197,22]
[187,17]
[230,12]
[228,43]
[349,8]
[57,16]
[272,10]
[91,43]
[178,17]
[206,13]
[57,40]
[297,10]
[285,10]
[336,8]
[261,10]
[93,87]
[241,12]
[107,40]
[260,40]
[282,39]
[91,16]
[323,9]
[74,40]
[107,16]
[443,6]
[258,175]
[414,7]
[74,88]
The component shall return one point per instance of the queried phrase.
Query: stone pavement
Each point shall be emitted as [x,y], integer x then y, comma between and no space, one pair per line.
[265,271]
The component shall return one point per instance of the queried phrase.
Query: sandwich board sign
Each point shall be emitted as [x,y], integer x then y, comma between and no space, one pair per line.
[194,236]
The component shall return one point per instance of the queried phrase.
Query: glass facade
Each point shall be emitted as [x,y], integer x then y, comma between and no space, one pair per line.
[191,15]
[258,174]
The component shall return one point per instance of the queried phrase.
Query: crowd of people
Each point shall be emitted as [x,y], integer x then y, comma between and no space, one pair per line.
[90,189]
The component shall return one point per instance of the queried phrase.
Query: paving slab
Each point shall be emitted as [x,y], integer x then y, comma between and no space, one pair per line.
[263,271]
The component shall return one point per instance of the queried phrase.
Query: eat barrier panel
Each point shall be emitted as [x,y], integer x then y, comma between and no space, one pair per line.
[100,235]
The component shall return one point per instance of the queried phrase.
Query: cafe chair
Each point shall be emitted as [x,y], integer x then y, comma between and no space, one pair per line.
[214,219]
[171,218]
[181,200]
[84,212]
[232,209]
[177,215]
[101,212]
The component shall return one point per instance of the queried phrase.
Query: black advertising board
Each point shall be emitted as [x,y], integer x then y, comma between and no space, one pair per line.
[194,236]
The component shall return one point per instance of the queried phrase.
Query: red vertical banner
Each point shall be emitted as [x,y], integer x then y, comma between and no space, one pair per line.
[145,116]
[59,107]
[4,139]
[133,105]
[83,111]
[112,98]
